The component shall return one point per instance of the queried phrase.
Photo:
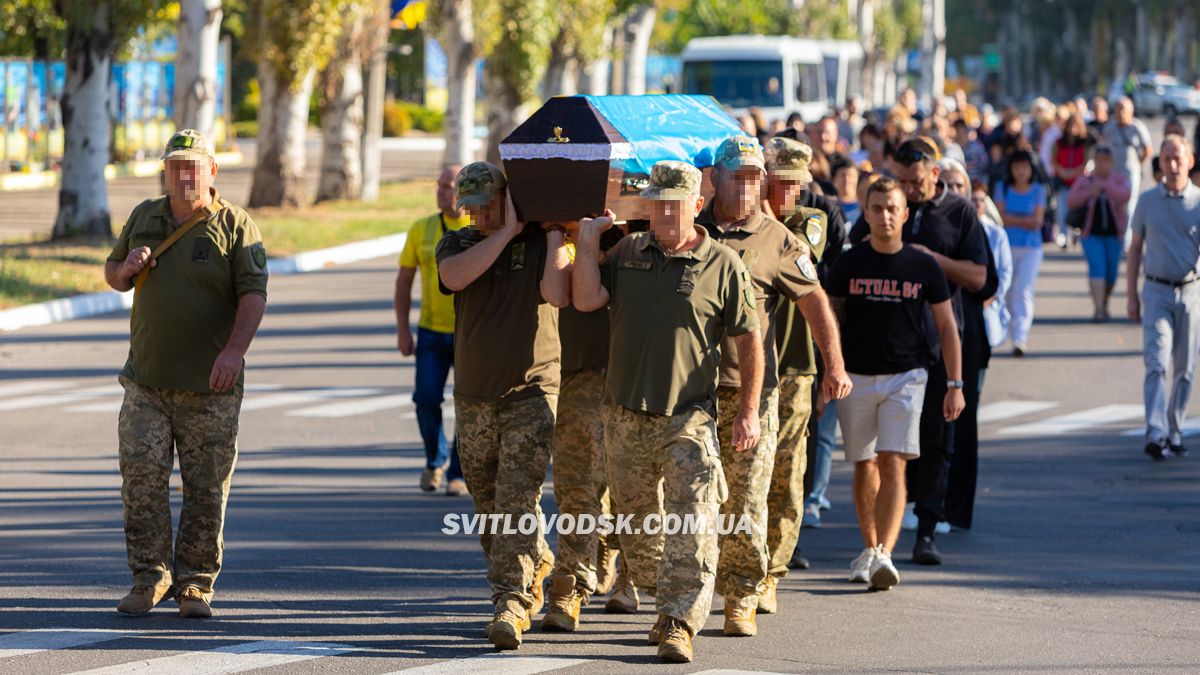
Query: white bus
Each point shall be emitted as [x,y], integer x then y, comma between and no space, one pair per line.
[843,61]
[779,75]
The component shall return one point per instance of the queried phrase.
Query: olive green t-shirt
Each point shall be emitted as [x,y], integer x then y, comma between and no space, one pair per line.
[505,335]
[183,315]
[584,338]
[792,334]
[669,313]
[779,267]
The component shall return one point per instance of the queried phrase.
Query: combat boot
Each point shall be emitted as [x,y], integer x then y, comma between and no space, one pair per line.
[676,642]
[193,604]
[544,567]
[655,635]
[606,567]
[739,619]
[767,602]
[564,603]
[624,598]
[142,598]
[508,625]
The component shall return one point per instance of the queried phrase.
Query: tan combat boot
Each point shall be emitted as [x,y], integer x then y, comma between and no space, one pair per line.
[544,567]
[676,641]
[768,603]
[606,567]
[624,598]
[142,598]
[193,604]
[509,623]
[565,601]
[655,635]
[739,618]
[431,479]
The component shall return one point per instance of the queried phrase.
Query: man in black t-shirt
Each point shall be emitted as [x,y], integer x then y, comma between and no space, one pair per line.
[945,226]
[883,290]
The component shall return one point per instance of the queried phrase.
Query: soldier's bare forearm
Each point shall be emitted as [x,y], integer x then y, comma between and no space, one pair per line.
[556,277]
[116,276]
[462,269]
[751,368]
[817,312]
[251,308]
[587,293]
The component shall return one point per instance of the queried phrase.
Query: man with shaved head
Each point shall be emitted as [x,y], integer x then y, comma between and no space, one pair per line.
[434,344]
[1130,141]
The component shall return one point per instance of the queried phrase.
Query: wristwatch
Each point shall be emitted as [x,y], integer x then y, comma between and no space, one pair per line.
[954,384]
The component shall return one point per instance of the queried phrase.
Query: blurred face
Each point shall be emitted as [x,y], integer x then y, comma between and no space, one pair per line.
[445,192]
[886,213]
[1125,111]
[189,178]
[784,195]
[827,135]
[918,180]
[1176,162]
[979,199]
[738,191]
[1103,164]
[1014,125]
[846,182]
[957,183]
[671,218]
[1099,108]
[1021,172]
[488,218]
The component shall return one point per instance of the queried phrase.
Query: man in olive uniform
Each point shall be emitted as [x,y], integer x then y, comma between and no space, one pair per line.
[200,271]
[779,267]
[673,294]
[508,280]
[788,177]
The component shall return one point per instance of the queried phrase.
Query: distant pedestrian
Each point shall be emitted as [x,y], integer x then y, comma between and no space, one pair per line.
[1099,199]
[1022,205]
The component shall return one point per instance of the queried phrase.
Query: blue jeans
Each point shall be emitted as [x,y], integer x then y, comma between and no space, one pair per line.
[1103,253]
[823,458]
[435,357]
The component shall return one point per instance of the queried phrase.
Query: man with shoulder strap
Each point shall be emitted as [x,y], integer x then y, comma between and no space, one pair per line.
[200,270]
[435,335]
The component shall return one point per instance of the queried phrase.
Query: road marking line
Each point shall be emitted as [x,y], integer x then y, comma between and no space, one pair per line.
[110,407]
[350,408]
[495,663]
[1190,428]
[1062,424]
[60,399]
[41,640]
[237,658]
[303,396]
[33,386]
[1002,410]
[735,672]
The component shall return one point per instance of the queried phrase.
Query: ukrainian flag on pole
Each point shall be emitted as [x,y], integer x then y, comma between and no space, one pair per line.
[408,13]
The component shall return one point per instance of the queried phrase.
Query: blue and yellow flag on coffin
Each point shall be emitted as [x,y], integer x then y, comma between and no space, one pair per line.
[408,13]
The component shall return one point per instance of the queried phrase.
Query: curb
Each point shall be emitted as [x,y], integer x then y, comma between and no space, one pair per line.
[45,180]
[106,302]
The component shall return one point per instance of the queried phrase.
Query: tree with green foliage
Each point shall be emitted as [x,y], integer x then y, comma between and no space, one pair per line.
[515,36]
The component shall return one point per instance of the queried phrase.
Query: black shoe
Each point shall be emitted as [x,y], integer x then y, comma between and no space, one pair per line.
[1155,451]
[798,561]
[1178,451]
[1019,351]
[926,553]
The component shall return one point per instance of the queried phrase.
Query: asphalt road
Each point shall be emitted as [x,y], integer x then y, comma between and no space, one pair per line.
[1082,558]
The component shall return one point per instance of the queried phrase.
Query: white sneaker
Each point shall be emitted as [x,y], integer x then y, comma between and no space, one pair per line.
[942,527]
[812,516]
[883,573]
[860,569]
[909,522]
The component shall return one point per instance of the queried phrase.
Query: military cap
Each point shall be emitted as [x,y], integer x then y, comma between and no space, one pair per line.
[187,143]
[789,159]
[738,151]
[477,184]
[673,180]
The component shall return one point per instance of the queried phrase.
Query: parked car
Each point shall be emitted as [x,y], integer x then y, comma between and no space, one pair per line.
[1158,94]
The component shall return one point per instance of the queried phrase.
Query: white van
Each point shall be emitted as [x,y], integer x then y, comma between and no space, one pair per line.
[779,75]
[843,69]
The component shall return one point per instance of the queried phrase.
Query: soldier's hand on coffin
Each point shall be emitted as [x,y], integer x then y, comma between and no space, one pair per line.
[570,227]
[512,226]
[597,226]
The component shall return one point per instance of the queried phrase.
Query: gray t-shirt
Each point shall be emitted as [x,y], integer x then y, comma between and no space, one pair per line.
[1127,143]
[1170,226]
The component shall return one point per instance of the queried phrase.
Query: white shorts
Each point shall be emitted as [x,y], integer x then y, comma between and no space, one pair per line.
[883,413]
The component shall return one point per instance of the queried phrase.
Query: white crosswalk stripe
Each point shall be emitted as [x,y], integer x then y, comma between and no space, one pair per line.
[1190,428]
[1002,410]
[34,641]
[350,408]
[58,399]
[32,387]
[1083,419]
[237,658]
[508,664]
[302,397]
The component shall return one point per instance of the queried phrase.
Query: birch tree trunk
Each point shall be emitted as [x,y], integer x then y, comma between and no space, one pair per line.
[458,40]
[342,119]
[83,194]
[638,28]
[282,124]
[502,113]
[196,64]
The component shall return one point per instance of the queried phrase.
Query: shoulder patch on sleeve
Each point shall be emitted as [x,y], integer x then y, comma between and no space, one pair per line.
[806,268]
[259,253]
[748,290]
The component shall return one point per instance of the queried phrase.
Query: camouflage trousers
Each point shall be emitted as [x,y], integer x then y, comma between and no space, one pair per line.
[667,464]
[153,425]
[505,450]
[743,565]
[579,483]
[785,500]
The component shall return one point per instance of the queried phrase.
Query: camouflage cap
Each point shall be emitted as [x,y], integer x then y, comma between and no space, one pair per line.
[477,184]
[673,180]
[187,143]
[789,159]
[738,151]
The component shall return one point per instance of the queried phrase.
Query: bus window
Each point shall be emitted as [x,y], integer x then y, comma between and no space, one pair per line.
[737,84]
[808,83]
[831,76]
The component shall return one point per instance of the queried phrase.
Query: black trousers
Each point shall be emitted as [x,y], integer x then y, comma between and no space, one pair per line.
[964,465]
[927,477]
